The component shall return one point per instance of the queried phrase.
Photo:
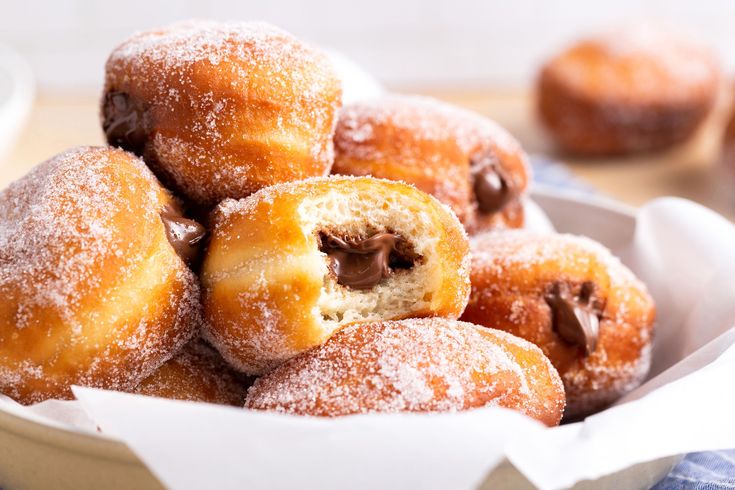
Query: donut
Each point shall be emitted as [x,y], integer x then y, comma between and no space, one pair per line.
[632,89]
[463,159]
[293,263]
[198,374]
[93,290]
[414,365]
[220,110]
[570,296]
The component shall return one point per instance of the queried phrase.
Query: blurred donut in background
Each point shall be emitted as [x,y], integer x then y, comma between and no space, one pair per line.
[635,88]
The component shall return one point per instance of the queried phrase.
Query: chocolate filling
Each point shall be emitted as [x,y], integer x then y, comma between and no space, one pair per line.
[123,122]
[492,188]
[184,234]
[362,263]
[576,319]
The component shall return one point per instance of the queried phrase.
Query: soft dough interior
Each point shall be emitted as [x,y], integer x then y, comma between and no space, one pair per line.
[405,291]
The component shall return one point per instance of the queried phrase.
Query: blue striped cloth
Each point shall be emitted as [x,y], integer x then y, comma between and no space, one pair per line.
[711,470]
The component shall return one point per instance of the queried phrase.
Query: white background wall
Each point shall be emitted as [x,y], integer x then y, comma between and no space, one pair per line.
[495,42]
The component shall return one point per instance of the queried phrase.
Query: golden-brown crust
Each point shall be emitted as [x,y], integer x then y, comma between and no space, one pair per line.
[511,274]
[417,365]
[198,373]
[226,108]
[640,88]
[261,282]
[430,144]
[93,292]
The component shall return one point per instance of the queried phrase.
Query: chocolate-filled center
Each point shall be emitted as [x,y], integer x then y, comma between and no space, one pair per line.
[184,234]
[492,189]
[123,122]
[363,263]
[576,319]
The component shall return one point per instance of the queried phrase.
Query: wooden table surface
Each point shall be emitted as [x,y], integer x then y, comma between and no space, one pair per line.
[690,170]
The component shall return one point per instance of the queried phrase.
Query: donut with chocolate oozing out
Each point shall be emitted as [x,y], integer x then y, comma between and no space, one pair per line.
[220,110]
[463,159]
[197,373]
[94,292]
[415,365]
[634,88]
[572,298]
[293,263]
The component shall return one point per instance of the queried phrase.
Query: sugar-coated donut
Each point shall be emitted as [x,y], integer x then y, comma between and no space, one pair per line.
[293,263]
[198,373]
[221,110]
[463,159]
[636,88]
[416,365]
[572,298]
[93,291]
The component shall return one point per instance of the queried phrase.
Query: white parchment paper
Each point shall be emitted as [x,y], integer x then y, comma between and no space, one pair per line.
[684,253]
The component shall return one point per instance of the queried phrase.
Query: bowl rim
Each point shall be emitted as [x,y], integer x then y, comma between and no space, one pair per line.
[585,198]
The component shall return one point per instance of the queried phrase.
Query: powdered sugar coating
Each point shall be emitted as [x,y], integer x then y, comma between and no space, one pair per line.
[641,61]
[229,107]
[93,292]
[430,144]
[417,365]
[526,249]
[268,194]
[511,273]
[197,373]
[428,119]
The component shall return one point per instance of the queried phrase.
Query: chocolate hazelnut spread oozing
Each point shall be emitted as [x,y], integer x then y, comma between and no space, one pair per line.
[123,122]
[184,234]
[492,188]
[363,263]
[575,318]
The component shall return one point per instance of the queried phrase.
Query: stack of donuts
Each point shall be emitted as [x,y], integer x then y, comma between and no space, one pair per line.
[246,240]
